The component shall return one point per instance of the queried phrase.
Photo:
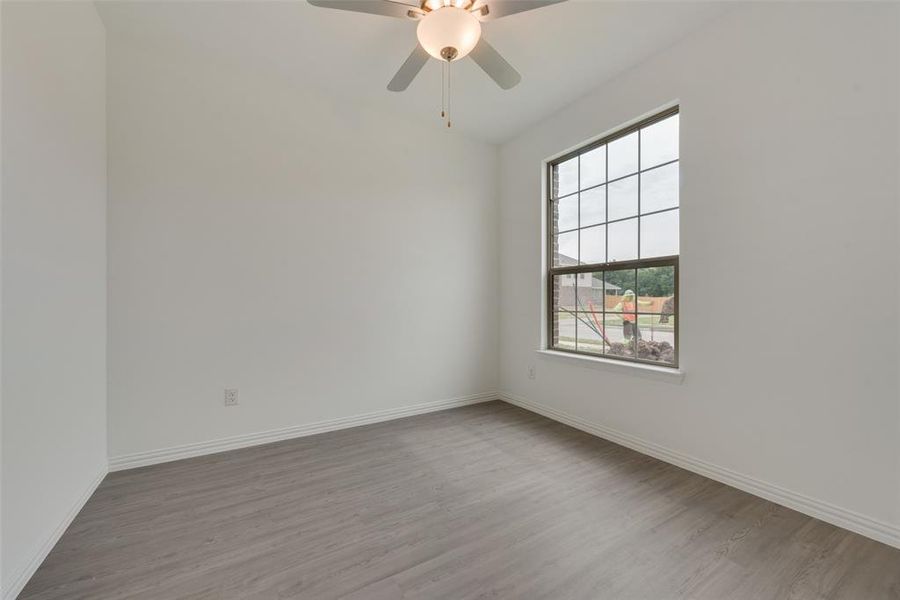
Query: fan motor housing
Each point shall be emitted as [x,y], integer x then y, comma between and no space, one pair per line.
[430,5]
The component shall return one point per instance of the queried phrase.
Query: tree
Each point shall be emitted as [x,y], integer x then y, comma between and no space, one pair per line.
[650,281]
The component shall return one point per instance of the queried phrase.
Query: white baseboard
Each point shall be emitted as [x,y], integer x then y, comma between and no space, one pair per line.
[841,517]
[152,457]
[15,587]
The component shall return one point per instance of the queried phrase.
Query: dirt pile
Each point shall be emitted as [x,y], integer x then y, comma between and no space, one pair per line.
[655,351]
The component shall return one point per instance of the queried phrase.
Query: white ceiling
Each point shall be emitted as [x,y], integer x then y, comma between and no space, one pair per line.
[562,51]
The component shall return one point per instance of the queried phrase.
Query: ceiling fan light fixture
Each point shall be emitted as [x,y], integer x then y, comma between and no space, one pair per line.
[436,4]
[449,27]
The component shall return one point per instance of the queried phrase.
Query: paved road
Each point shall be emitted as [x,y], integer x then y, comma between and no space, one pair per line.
[613,332]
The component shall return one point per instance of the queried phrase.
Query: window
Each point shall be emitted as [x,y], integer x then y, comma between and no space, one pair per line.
[613,221]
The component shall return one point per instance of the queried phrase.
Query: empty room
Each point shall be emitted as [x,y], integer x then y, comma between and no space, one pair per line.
[449,299]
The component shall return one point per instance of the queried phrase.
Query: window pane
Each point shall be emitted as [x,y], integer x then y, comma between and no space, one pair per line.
[614,327]
[566,252]
[593,245]
[657,334]
[659,234]
[593,206]
[609,291]
[593,167]
[564,330]
[589,326]
[623,198]
[656,290]
[590,293]
[564,293]
[623,242]
[659,142]
[618,284]
[659,188]
[566,213]
[566,178]
[623,156]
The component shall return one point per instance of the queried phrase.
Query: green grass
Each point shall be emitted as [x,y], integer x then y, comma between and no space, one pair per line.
[644,321]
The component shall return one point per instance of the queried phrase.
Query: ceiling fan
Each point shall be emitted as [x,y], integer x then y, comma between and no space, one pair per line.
[448,30]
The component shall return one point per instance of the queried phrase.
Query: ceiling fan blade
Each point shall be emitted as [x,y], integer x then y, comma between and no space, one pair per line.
[409,70]
[386,8]
[495,65]
[502,8]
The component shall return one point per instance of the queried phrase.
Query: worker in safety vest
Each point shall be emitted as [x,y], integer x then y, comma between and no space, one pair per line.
[628,308]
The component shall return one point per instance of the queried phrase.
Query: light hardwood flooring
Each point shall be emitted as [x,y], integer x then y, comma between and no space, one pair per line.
[486,501]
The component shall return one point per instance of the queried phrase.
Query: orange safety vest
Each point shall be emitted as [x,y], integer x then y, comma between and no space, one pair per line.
[628,312]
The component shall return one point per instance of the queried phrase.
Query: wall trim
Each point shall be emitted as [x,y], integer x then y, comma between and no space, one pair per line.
[841,517]
[19,580]
[152,457]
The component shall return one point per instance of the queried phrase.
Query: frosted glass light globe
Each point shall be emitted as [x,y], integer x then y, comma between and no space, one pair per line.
[449,27]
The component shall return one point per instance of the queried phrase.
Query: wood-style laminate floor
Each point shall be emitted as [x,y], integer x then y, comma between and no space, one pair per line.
[487,501]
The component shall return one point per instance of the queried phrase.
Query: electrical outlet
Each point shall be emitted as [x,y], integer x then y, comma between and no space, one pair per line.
[531,372]
[231,397]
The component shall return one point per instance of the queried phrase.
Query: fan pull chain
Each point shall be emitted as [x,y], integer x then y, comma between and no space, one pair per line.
[448,93]
[443,112]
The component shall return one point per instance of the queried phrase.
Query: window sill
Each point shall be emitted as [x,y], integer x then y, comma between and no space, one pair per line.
[616,366]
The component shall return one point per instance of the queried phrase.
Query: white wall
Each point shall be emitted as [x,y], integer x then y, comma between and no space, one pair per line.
[789,149]
[54,272]
[326,260]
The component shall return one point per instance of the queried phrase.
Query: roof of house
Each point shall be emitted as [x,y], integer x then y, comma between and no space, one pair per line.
[568,261]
